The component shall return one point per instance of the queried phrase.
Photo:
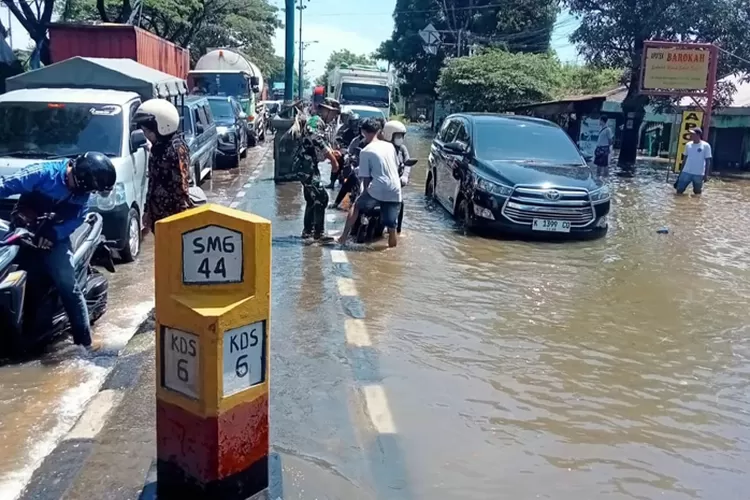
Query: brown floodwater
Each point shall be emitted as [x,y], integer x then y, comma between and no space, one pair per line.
[615,368]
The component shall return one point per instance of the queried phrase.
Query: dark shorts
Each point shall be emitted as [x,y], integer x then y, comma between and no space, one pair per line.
[389,210]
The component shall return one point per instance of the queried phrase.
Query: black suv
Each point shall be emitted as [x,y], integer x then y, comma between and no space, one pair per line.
[516,174]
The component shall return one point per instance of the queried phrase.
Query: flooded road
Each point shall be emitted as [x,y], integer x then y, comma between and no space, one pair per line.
[617,368]
[42,398]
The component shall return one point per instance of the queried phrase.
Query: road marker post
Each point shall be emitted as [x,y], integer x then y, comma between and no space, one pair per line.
[213,289]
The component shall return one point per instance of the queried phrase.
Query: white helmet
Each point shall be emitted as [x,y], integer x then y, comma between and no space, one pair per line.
[393,127]
[158,114]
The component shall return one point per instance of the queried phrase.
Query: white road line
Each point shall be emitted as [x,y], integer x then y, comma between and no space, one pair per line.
[234,204]
[95,415]
[346,287]
[356,333]
[377,408]
[339,257]
[241,194]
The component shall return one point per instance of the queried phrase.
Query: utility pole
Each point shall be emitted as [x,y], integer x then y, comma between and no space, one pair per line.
[289,53]
[300,76]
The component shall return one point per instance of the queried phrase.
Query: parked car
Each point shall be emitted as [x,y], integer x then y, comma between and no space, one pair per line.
[230,125]
[516,174]
[50,124]
[201,136]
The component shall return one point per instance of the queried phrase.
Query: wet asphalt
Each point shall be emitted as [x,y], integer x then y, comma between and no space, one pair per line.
[465,367]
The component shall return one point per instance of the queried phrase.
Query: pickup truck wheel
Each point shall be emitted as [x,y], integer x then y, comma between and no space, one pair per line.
[197,174]
[133,244]
[429,186]
[252,141]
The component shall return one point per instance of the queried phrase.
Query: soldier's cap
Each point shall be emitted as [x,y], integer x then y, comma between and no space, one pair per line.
[330,103]
[698,131]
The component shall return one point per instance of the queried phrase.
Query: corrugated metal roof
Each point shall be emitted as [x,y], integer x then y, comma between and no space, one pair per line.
[740,99]
[86,96]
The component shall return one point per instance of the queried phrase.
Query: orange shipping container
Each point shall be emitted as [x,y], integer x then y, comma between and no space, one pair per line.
[118,41]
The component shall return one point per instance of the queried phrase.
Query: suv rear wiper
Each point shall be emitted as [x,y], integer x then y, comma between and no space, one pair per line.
[28,153]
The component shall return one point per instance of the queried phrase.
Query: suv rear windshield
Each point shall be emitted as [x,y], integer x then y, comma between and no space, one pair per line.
[41,129]
[520,140]
[221,108]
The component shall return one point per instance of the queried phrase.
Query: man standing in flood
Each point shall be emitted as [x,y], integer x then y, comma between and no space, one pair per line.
[696,160]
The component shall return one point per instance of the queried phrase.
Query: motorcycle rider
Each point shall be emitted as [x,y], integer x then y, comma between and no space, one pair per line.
[394,132]
[313,146]
[168,164]
[349,172]
[61,187]
[381,182]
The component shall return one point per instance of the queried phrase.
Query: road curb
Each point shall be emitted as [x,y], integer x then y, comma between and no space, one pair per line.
[58,470]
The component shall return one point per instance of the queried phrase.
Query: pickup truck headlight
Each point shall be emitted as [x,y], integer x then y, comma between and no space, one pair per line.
[601,194]
[116,197]
[493,187]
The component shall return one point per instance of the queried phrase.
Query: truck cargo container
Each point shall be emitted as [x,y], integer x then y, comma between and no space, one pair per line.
[118,41]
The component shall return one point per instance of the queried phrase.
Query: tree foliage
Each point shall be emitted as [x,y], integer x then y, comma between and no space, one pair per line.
[498,80]
[516,25]
[339,57]
[245,25]
[612,33]
[34,16]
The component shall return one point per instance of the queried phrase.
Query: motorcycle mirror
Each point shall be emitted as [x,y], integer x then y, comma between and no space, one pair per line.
[103,257]
[410,162]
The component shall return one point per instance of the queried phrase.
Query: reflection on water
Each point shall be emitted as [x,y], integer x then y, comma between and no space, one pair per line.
[615,368]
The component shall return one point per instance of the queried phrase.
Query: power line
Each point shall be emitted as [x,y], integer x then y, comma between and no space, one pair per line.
[733,55]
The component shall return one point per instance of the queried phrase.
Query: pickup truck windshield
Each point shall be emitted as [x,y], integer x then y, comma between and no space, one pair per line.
[226,84]
[353,93]
[46,129]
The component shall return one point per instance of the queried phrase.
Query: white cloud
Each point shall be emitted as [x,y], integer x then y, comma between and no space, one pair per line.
[329,40]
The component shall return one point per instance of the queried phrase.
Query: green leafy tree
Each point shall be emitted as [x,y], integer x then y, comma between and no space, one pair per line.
[34,16]
[340,57]
[612,34]
[515,25]
[497,80]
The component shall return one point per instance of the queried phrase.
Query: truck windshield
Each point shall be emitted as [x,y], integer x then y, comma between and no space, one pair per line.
[354,93]
[225,84]
[41,129]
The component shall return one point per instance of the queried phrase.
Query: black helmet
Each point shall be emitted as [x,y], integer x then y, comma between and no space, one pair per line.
[93,171]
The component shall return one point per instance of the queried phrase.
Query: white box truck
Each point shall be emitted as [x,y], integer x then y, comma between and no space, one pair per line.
[361,85]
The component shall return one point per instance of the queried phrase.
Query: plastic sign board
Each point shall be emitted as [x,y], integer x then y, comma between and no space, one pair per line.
[244,357]
[180,364]
[212,255]
[675,68]
[690,120]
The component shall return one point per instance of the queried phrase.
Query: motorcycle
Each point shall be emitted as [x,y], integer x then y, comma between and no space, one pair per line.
[30,308]
[368,226]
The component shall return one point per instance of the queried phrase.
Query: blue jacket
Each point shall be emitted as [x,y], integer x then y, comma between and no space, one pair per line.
[48,180]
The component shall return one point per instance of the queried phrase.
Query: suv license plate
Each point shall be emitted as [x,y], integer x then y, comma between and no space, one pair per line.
[555,226]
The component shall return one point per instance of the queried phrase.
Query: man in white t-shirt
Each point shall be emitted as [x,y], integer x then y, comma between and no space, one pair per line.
[378,170]
[695,161]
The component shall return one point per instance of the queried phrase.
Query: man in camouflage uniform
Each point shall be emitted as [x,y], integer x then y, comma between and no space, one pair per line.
[315,146]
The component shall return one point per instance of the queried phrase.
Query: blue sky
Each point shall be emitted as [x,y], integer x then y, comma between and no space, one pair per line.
[337,25]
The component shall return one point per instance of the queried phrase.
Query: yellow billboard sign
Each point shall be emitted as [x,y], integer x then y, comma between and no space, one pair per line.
[690,120]
[675,68]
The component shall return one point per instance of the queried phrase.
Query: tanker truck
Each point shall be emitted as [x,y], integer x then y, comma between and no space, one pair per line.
[225,72]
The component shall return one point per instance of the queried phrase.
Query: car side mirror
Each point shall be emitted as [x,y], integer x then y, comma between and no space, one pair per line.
[410,162]
[137,140]
[199,129]
[254,81]
[457,148]
[243,115]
